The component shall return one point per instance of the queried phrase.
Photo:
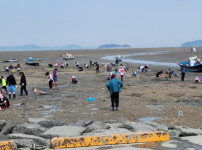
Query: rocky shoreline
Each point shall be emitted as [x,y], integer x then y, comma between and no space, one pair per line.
[40,131]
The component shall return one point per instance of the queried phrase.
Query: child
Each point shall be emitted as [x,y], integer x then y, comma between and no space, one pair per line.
[197,80]
[116,73]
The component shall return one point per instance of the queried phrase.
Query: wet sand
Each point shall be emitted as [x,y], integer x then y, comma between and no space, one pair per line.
[141,97]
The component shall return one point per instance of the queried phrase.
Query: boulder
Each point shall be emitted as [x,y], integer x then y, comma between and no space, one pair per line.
[36,120]
[8,128]
[159,127]
[63,131]
[111,131]
[185,131]
[2,124]
[36,139]
[174,133]
[31,129]
[96,125]
[82,123]
[51,123]
[138,127]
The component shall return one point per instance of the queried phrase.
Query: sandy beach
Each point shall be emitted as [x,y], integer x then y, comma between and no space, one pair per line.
[142,98]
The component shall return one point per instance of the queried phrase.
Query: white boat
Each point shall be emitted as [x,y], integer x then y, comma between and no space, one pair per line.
[67,56]
[11,60]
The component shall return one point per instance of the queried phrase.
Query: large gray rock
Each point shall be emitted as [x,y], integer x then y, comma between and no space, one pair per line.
[23,143]
[36,120]
[111,131]
[174,133]
[8,128]
[36,139]
[63,131]
[31,129]
[185,131]
[159,127]
[82,123]
[138,127]
[2,124]
[97,125]
[51,123]
[115,125]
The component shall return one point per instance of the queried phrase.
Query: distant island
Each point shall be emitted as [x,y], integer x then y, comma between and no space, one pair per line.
[69,47]
[197,43]
[36,47]
[114,46]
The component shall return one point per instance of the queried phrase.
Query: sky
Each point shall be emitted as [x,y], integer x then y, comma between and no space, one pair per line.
[91,23]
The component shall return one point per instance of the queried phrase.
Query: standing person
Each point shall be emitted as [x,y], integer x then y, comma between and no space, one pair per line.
[11,82]
[182,73]
[3,84]
[97,68]
[114,87]
[122,72]
[117,61]
[91,63]
[23,83]
[50,80]
[109,71]
[55,76]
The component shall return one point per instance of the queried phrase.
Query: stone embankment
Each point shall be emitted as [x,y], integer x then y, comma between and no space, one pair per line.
[40,131]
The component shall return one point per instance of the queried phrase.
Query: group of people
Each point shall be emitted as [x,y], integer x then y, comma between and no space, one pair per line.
[121,71]
[9,85]
[52,79]
[12,68]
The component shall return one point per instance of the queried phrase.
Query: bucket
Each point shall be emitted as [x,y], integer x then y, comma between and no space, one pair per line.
[90,99]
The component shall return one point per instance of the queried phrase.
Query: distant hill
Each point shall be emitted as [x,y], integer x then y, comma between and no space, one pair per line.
[197,43]
[114,46]
[36,47]
[69,47]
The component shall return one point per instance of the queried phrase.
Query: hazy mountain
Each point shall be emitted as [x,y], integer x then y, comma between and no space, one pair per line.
[69,47]
[196,43]
[113,46]
[36,47]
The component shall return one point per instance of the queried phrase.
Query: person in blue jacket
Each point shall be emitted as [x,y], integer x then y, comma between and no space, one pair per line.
[114,87]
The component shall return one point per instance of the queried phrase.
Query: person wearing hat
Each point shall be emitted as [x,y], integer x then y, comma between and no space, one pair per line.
[122,72]
[11,82]
[114,87]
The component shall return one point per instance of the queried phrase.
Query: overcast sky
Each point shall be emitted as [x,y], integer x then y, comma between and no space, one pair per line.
[90,23]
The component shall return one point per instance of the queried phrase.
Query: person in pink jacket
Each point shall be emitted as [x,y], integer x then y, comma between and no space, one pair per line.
[122,72]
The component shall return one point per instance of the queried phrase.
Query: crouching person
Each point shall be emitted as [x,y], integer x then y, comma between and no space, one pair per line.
[4,102]
[74,80]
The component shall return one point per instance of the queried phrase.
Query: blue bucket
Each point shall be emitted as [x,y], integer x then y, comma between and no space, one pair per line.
[90,99]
